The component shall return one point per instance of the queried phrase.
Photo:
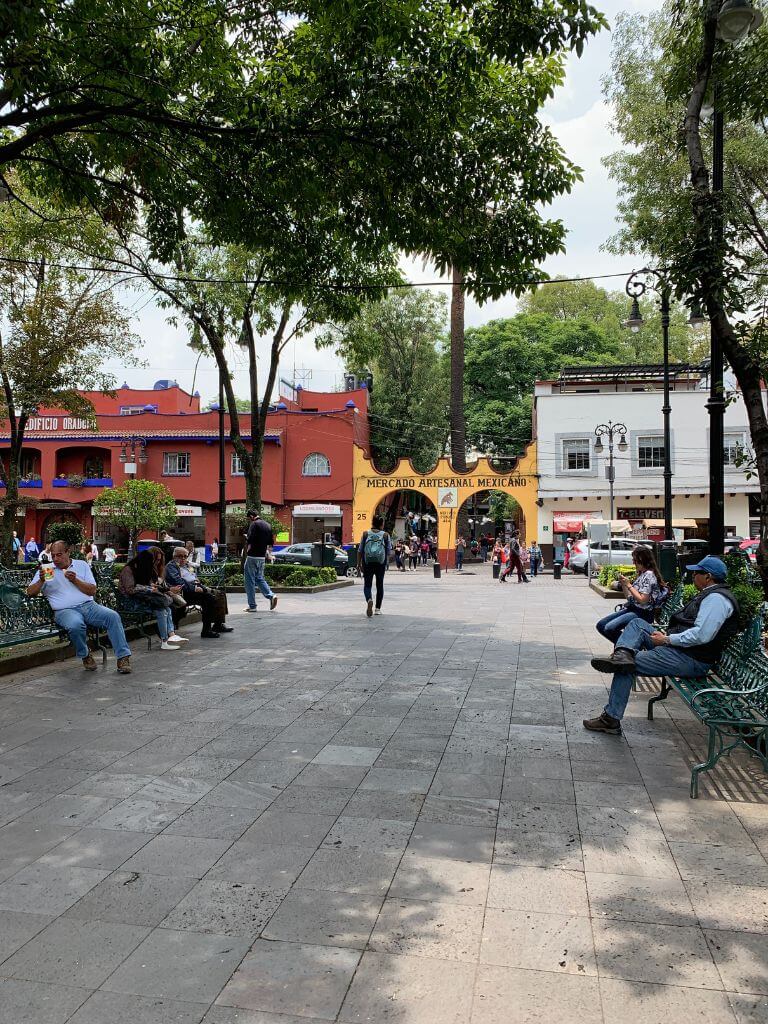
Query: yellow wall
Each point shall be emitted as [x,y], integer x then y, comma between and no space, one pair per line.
[370,487]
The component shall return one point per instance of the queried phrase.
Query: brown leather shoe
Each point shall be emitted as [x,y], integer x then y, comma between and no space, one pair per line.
[622,660]
[124,665]
[605,723]
[89,664]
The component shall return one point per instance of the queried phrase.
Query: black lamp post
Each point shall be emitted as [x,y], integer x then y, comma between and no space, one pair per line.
[133,450]
[637,285]
[737,18]
[611,430]
[220,408]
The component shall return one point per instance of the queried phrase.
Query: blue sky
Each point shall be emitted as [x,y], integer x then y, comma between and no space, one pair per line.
[579,118]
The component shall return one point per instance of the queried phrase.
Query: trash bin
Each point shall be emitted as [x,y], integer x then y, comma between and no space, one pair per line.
[557,570]
[351,558]
[668,560]
[436,570]
[317,556]
[496,570]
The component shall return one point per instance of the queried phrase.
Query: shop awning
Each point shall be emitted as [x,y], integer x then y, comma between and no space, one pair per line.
[679,524]
[317,510]
[571,522]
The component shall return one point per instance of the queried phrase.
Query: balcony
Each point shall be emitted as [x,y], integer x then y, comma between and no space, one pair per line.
[96,481]
[26,483]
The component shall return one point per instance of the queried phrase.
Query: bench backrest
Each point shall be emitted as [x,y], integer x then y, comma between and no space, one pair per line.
[673,604]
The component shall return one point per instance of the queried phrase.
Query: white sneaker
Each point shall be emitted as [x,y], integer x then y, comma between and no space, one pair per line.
[377,611]
[174,638]
[166,646]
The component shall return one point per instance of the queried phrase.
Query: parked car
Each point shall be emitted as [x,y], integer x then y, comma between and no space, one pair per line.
[301,554]
[599,554]
[750,546]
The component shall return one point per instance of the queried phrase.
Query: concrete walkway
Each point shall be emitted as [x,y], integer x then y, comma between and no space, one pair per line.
[322,817]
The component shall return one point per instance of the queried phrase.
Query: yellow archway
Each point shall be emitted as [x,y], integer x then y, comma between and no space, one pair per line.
[445,488]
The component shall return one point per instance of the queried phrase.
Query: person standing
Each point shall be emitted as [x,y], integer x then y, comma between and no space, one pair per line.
[400,555]
[68,586]
[94,551]
[372,556]
[535,556]
[484,547]
[31,550]
[461,546]
[515,558]
[109,554]
[215,549]
[413,554]
[258,545]
[16,547]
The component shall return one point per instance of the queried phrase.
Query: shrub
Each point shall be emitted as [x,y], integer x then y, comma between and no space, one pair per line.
[608,573]
[70,532]
[278,573]
[76,480]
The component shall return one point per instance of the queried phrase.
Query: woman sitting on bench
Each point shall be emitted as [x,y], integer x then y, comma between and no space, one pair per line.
[643,596]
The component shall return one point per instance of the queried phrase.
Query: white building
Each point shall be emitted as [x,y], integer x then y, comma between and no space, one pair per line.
[573,484]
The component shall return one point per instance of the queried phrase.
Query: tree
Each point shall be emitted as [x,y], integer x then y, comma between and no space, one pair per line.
[70,532]
[60,327]
[714,248]
[585,301]
[505,358]
[137,505]
[400,339]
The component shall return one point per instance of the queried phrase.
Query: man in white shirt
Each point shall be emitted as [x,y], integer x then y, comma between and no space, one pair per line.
[109,553]
[69,591]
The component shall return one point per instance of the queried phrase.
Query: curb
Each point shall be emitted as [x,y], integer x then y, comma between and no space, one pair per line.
[319,589]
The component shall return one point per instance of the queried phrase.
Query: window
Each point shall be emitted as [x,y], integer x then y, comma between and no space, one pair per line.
[175,463]
[131,410]
[734,449]
[316,465]
[237,465]
[27,465]
[576,454]
[93,468]
[650,452]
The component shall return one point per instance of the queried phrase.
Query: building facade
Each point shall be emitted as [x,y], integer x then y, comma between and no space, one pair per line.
[308,461]
[573,479]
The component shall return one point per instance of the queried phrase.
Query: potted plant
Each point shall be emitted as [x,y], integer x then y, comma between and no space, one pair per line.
[76,480]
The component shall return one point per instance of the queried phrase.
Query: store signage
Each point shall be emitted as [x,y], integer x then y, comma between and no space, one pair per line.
[52,423]
[189,510]
[316,509]
[641,513]
[405,482]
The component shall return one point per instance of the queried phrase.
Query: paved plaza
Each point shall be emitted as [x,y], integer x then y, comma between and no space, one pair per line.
[324,817]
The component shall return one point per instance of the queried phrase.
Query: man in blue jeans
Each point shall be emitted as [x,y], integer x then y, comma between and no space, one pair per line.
[258,543]
[69,586]
[697,636]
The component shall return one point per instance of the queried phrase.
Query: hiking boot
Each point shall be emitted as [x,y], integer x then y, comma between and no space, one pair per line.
[272,603]
[124,665]
[605,723]
[621,659]
[369,609]
[89,664]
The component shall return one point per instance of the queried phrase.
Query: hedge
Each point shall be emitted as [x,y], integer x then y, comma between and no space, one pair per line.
[289,575]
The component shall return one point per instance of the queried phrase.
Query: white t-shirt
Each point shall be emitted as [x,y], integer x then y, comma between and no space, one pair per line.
[60,593]
[109,554]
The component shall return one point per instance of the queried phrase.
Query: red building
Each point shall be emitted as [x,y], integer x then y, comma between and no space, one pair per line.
[307,478]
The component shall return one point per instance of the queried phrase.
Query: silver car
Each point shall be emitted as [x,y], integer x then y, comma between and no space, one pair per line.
[598,553]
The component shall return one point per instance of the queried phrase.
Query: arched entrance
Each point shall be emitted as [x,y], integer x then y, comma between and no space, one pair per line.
[445,488]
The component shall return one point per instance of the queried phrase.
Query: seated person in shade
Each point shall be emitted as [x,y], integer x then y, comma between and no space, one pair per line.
[177,573]
[68,586]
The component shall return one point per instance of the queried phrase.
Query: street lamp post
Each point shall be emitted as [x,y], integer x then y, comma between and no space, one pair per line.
[222,474]
[611,430]
[636,286]
[737,18]
[133,450]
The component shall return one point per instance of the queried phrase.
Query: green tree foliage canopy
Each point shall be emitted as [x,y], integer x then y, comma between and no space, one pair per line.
[137,505]
[400,339]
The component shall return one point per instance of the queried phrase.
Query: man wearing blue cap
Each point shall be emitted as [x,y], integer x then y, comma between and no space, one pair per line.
[696,638]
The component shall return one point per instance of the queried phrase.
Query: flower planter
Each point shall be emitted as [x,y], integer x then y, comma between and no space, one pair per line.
[30,483]
[99,481]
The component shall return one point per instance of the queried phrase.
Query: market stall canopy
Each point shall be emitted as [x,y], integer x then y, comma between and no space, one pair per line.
[571,522]
[679,524]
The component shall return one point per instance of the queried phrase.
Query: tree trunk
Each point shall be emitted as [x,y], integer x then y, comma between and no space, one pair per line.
[458,426]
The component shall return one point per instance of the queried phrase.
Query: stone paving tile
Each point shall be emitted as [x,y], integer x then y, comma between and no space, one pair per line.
[441,880]
[508,995]
[110,1008]
[222,907]
[25,1002]
[542,849]
[354,870]
[441,931]
[177,855]
[741,959]
[546,890]
[625,1002]
[405,990]
[78,953]
[539,942]
[132,898]
[324,918]
[21,844]
[293,978]
[672,955]
[178,965]
[17,928]
[640,898]
[44,889]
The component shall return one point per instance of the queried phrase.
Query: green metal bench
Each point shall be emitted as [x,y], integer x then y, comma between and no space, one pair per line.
[731,700]
[212,574]
[23,619]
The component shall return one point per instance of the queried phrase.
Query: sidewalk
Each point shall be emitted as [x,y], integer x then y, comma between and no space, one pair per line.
[397,820]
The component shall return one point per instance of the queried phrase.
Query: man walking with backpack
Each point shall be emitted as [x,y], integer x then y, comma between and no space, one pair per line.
[372,556]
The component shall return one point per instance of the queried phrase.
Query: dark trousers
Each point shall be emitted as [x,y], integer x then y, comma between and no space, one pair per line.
[206,602]
[516,564]
[371,572]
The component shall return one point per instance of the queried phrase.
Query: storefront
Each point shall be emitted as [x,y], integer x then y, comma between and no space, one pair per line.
[189,524]
[566,526]
[316,522]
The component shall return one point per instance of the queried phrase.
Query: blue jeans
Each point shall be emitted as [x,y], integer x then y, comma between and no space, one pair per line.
[649,661]
[459,559]
[75,621]
[254,577]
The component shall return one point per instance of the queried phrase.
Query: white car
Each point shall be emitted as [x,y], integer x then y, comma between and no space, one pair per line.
[598,553]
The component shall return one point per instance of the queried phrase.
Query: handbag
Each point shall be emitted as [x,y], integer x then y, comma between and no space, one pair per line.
[178,601]
[155,600]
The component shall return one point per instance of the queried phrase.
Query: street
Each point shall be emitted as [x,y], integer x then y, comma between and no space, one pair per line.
[325,817]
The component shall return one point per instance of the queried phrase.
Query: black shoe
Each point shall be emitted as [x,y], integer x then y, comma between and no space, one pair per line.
[621,659]
[221,628]
[605,723]
[209,634]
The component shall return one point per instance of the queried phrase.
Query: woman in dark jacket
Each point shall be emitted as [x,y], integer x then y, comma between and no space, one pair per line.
[141,586]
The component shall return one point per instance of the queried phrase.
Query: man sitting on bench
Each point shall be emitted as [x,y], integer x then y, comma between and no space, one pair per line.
[696,637]
[68,586]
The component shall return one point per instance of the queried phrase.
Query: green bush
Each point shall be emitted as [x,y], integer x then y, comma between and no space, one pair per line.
[71,533]
[738,580]
[278,573]
[608,573]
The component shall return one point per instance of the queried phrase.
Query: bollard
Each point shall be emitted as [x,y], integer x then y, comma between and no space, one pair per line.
[557,570]
[436,570]
[496,570]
